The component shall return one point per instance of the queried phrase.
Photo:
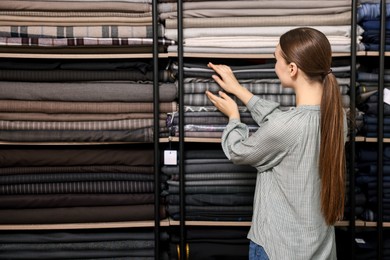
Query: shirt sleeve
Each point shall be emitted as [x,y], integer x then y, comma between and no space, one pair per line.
[263,149]
[261,108]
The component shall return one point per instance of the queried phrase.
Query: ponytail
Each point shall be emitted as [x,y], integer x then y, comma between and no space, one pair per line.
[332,154]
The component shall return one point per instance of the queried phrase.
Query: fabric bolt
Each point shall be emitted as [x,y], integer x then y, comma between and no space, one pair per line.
[57,75]
[38,5]
[57,236]
[83,41]
[204,134]
[209,168]
[77,214]
[299,20]
[306,5]
[85,91]
[76,65]
[83,107]
[47,117]
[52,18]
[219,50]
[173,188]
[73,200]
[214,176]
[138,254]
[213,199]
[203,118]
[286,100]
[93,168]
[202,100]
[72,177]
[276,11]
[370,11]
[203,213]
[126,124]
[79,187]
[265,31]
[135,155]
[104,31]
[138,135]
[103,245]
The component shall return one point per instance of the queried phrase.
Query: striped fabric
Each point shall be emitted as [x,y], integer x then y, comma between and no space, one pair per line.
[103,31]
[84,41]
[79,187]
[128,124]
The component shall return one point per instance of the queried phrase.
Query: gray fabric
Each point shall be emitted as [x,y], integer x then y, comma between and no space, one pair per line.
[61,136]
[126,124]
[85,91]
[84,107]
[286,20]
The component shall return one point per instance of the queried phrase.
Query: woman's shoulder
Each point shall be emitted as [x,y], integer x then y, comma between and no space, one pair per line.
[295,120]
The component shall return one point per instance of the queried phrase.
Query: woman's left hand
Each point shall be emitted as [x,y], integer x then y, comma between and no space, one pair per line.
[225,104]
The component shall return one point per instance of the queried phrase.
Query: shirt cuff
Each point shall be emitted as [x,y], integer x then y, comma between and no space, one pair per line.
[251,103]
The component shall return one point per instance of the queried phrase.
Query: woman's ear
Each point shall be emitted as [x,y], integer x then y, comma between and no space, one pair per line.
[293,69]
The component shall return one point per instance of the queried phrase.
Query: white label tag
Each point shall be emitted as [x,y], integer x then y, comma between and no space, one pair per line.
[170,157]
[386,96]
[360,241]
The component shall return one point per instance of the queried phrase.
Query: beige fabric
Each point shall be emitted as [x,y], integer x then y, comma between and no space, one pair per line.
[74,117]
[72,18]
[299,20]
[75,6]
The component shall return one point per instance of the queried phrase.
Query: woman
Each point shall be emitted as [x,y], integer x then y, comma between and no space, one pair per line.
[299,153]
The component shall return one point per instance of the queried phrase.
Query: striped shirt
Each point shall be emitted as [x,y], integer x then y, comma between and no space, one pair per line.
[287,219]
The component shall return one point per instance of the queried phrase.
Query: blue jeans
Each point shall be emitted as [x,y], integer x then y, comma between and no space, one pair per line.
[256,252]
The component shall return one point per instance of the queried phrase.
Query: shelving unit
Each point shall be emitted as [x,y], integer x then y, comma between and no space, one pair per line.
[183,142]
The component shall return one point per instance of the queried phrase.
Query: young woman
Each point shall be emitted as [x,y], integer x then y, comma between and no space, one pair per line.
[299,153]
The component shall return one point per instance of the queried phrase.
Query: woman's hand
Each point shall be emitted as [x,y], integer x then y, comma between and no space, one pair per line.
[229,83]
[225,104]
[225,78]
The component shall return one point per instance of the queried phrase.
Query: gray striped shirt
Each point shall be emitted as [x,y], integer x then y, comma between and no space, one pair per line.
[287,219]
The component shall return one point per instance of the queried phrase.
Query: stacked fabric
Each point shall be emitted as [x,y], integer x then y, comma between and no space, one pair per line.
[228,243]
[367,180]
[134,244]
[76,184]
[365,244]
[254,27]
[368,17]
[215,188]
[81,100]
[92,26]
[368,78]
[201,118]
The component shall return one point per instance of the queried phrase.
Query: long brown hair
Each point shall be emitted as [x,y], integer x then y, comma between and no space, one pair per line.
[310,50]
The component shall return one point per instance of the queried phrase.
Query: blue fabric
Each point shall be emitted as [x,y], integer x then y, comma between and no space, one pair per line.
[256,252]
[370,11]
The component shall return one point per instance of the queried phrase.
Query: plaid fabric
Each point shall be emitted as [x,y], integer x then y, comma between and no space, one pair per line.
[127,124]
[72,42]
[261,86]
[103,31]
[202,99]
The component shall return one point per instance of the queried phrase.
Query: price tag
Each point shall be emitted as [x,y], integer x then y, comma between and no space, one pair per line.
[170,157]
[360,241]
[386,96]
